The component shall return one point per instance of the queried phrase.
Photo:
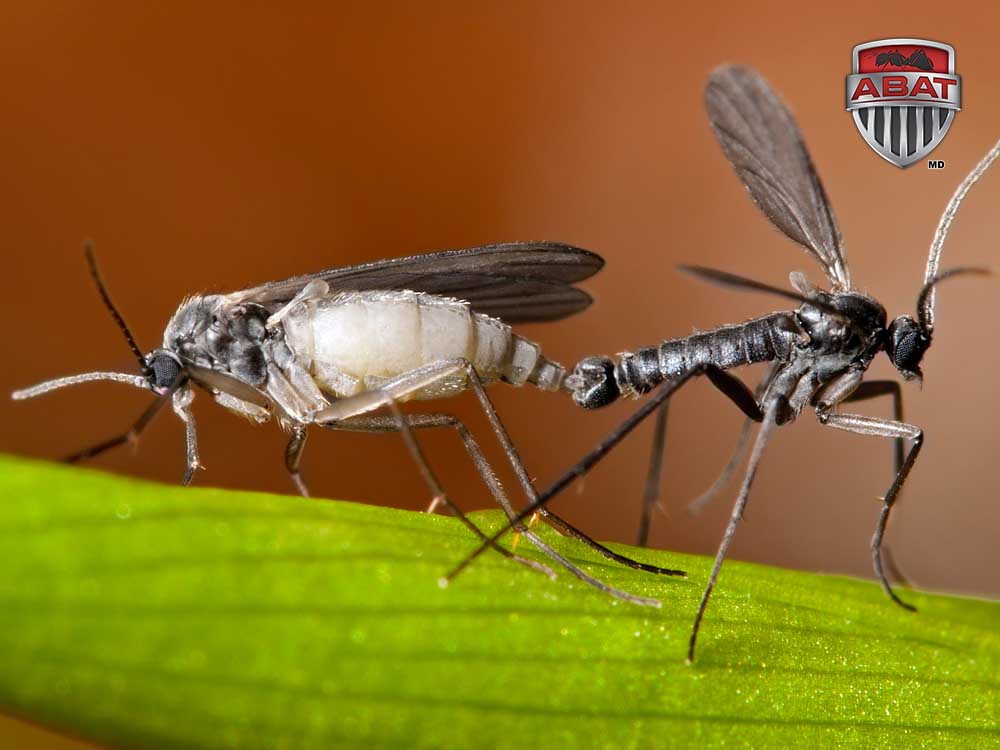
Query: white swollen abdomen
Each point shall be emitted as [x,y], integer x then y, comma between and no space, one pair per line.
[355,341]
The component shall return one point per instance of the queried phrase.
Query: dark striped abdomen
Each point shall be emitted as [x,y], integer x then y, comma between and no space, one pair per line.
[760,340]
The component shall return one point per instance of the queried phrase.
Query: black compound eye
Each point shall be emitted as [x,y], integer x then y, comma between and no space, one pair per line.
[165,369]
[908,352]
[907,344]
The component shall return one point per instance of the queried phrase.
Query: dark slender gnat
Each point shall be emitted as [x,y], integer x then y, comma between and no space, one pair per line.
[819,352]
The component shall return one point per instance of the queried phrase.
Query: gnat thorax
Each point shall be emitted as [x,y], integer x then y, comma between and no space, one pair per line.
[862,322]
[207,333]
[186,332]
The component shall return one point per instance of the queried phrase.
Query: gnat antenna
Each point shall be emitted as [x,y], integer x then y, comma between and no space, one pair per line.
[88,251]
[926,311]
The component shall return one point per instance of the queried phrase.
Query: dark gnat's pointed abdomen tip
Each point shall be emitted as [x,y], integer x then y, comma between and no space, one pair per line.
[593,383]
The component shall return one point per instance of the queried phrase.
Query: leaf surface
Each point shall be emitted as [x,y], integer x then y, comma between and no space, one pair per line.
[136,614]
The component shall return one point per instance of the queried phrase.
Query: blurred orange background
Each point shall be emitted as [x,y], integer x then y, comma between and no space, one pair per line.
[211,146]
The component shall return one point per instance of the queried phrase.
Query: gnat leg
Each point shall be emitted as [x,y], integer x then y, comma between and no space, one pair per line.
[424,377]
[696,505]
[432,481]
[180,395]
[181,401]
[651,491]
[876,427]
[293,457]
[130,436]
[567,529]
[417,421]
[531,493]
[768,424]
[581,467]
[729,386]
[398,389]
[874,389]
[378,424]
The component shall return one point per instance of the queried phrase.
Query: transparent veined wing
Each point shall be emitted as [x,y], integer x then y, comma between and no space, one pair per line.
[515,281]
[760,138]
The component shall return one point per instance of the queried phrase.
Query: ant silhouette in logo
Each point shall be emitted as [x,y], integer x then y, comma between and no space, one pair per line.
[918,59]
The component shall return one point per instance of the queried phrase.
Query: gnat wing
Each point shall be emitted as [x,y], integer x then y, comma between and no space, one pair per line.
[762,141]
[516,281]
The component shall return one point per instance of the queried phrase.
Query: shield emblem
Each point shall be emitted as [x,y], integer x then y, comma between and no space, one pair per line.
[903,95]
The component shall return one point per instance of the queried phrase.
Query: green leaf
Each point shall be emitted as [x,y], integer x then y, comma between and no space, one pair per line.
[135,614]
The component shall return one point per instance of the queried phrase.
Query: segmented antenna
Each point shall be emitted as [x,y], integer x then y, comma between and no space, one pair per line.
[88,251]
[928,290]
[926,310]
[139,381]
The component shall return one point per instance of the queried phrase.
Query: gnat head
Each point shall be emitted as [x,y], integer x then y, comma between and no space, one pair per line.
[909,338]
[161,370]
